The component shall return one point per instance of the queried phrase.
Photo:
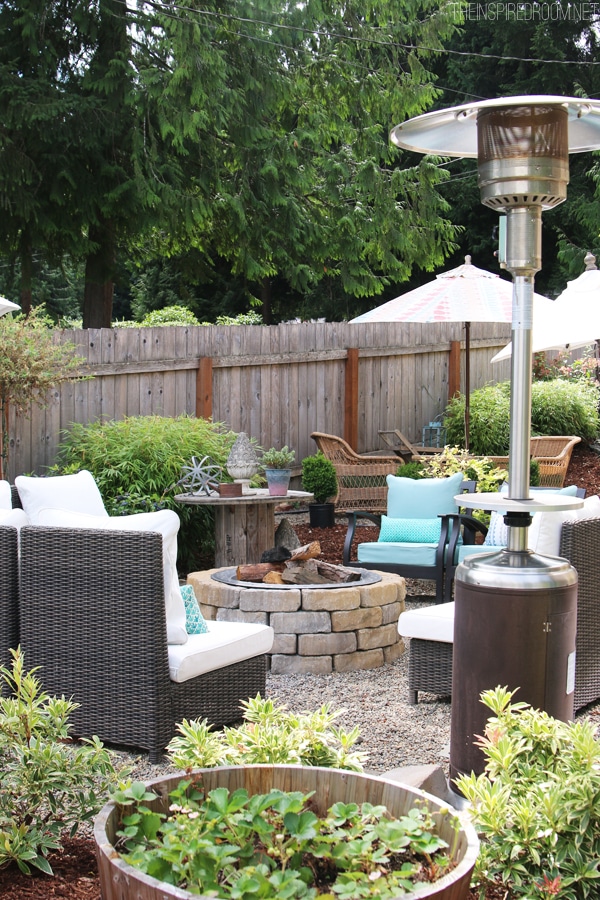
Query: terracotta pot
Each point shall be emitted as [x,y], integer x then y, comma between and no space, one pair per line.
[120,881]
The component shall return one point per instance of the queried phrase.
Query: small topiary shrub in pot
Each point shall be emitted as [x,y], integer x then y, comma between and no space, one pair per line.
[320,480]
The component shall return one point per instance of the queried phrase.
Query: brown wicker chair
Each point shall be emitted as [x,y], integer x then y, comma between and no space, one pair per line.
[430,662]
[553,454]
[92,616]
[361,479]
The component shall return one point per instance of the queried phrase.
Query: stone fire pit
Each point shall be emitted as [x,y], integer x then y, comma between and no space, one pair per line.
[317,630]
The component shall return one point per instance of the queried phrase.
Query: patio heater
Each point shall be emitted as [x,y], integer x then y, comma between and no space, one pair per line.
[515,611]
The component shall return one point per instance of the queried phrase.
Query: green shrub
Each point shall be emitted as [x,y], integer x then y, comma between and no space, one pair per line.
[484,472]
[537,805]
[565,407]
[318,477]
[48,785]
[413,469]
[136,463]
[269,734]
[489,420]
[557,407]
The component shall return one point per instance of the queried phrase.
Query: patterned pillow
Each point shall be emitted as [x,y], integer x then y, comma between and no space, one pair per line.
[413,531]
[195,623]
[497,534]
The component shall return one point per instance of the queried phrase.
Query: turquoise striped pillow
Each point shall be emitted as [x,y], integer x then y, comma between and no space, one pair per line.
[413,531]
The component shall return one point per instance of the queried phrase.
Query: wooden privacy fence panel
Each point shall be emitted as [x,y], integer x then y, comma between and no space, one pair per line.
[277,383]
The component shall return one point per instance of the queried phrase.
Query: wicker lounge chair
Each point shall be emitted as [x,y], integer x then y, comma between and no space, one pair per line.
[430,661]
[92,616]
[361,479]
[553,454]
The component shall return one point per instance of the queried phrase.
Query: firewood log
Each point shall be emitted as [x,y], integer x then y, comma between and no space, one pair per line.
[308,551]
[256,571]
[273,578]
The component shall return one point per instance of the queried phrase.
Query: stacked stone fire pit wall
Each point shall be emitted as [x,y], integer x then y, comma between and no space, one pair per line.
[317,630]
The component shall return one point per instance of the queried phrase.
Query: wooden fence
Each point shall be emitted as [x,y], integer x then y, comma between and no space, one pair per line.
[277,383]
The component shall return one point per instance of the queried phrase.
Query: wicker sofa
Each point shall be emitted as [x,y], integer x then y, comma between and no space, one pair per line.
[91,611]
[9,611]
[430,660]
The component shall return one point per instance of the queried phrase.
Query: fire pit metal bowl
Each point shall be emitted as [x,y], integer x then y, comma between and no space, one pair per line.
[229,576]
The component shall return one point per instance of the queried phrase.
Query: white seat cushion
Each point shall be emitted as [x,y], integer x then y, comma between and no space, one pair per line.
[225,643]
[430,623]
[17,518]
[77,493]
[166,523]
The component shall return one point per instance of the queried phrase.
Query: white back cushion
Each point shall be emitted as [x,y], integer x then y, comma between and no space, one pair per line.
[165,522]
[77,493]
[5,495]
[544,533]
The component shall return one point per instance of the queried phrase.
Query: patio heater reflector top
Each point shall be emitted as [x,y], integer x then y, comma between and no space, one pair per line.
[453,131]
[522,144]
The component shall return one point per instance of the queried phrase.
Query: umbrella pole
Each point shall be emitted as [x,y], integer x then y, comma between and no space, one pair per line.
[467,382]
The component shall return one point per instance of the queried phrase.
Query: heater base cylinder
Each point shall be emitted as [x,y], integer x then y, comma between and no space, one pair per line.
[515,626]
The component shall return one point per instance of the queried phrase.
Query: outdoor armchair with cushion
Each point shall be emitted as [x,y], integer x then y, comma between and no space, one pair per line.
[361,479]
[101,613]
[414,532]
[574,536]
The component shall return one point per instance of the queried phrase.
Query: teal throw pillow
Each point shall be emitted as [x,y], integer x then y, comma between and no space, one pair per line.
[195,623]
[412,531]
[425,498]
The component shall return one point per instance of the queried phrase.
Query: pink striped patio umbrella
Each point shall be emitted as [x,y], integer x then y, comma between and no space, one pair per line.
[465,294]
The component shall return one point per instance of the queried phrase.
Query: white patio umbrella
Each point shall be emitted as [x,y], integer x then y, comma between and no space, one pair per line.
[573,319]
[465,294]
[7,306]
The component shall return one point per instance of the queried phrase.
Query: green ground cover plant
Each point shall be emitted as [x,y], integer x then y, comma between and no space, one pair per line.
[275,846]
[536,807]
[48,785]
[136,463]
[558,406]
[269,733]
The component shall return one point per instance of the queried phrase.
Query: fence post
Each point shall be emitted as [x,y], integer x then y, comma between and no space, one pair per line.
[204,375]
[351,398]
[454,369]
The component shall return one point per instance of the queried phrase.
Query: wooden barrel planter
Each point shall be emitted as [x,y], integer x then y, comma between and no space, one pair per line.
[120,881]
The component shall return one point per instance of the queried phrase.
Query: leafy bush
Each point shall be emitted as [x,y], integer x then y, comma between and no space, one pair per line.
[485,472]
[489,420]
[269,734]
[137,462]
[413,469]
[48,786]
[537,805]
[318,477]
[565,407]
[557,407]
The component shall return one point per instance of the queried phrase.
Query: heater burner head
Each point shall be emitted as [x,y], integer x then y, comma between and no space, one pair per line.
[523,156]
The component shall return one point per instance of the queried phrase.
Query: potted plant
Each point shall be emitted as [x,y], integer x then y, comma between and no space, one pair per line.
[320,480]
[248,830]
[277,465]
